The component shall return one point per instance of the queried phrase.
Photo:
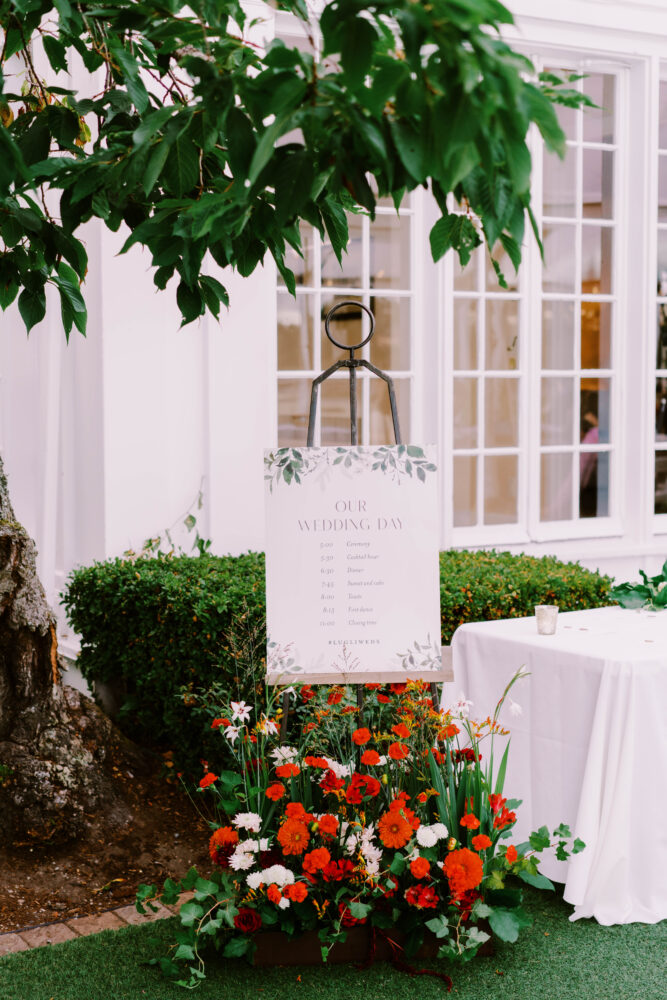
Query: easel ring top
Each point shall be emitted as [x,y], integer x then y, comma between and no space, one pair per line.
[339,305]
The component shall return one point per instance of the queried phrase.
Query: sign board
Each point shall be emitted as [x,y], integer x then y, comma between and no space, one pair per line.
[352,577]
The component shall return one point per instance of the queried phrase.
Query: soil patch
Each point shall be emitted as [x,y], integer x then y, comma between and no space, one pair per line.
[164,837]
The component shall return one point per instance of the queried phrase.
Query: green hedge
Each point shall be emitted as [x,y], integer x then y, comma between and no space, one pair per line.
[480,586]
[171,628]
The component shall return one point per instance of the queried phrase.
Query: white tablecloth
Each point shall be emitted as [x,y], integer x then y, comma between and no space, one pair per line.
[589,749]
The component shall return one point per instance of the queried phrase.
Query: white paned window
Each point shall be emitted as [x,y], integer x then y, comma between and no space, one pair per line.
[487,387]
[533,384]
[375,271]
[660,479]
[578,312]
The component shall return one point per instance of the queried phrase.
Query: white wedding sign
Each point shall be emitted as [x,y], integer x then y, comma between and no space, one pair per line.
[352,580]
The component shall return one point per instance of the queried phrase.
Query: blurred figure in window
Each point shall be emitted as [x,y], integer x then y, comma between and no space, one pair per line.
[588,468]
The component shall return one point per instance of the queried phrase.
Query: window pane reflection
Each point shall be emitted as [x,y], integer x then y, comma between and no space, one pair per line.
[501,489]
[596,334]
[661,409]
[598,184]
[501,413]
[293,407]
[556,487]
[662,139]
[465,333]
[335,411]
[661,337]
[559,258]
[660,486]
[557,335]
[596,259]
[390,252]
[560,183]
[295,332]
[390,345]
[594,409]
[382,426]
[557,408]
[594,484]
[466,278]
[465,413]
[465,491]
[502,335]
[662,189]
[599,121]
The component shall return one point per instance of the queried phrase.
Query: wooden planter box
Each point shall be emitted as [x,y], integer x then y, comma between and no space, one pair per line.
[275,948]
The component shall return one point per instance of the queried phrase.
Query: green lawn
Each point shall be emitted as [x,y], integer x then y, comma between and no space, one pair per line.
[553,960]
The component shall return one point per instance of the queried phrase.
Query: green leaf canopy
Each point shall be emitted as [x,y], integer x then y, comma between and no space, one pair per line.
[203,142]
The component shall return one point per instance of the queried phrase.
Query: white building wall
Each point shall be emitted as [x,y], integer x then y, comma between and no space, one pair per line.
[107,440]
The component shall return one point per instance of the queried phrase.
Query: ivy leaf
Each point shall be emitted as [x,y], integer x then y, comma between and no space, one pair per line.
[538,881]
[506,924]
[236,947]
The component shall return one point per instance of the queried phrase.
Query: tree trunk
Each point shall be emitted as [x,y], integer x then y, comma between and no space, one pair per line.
[56,746]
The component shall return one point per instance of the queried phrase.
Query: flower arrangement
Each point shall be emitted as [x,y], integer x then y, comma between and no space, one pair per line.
[391,814]
[651,594]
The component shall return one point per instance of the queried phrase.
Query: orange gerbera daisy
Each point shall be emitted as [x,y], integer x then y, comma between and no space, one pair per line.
[464,871]
[370,757]
[293,836]
[510,854]
[470,821]
[394,829]
[401,730]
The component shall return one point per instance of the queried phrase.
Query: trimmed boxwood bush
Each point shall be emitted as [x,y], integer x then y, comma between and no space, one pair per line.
[480,586]
[171,627]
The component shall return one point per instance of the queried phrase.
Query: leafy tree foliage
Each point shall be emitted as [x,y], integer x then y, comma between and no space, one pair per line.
[166,117]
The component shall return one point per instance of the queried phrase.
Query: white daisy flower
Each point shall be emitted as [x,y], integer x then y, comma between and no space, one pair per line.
[440,830]
[426,837]
[241,860]
[276,873]
[248,821]
[284,903]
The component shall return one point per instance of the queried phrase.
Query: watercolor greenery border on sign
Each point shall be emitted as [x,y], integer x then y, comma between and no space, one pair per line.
[292,465]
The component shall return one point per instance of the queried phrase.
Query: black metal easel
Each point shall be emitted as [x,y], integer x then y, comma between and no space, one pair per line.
[351,364]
